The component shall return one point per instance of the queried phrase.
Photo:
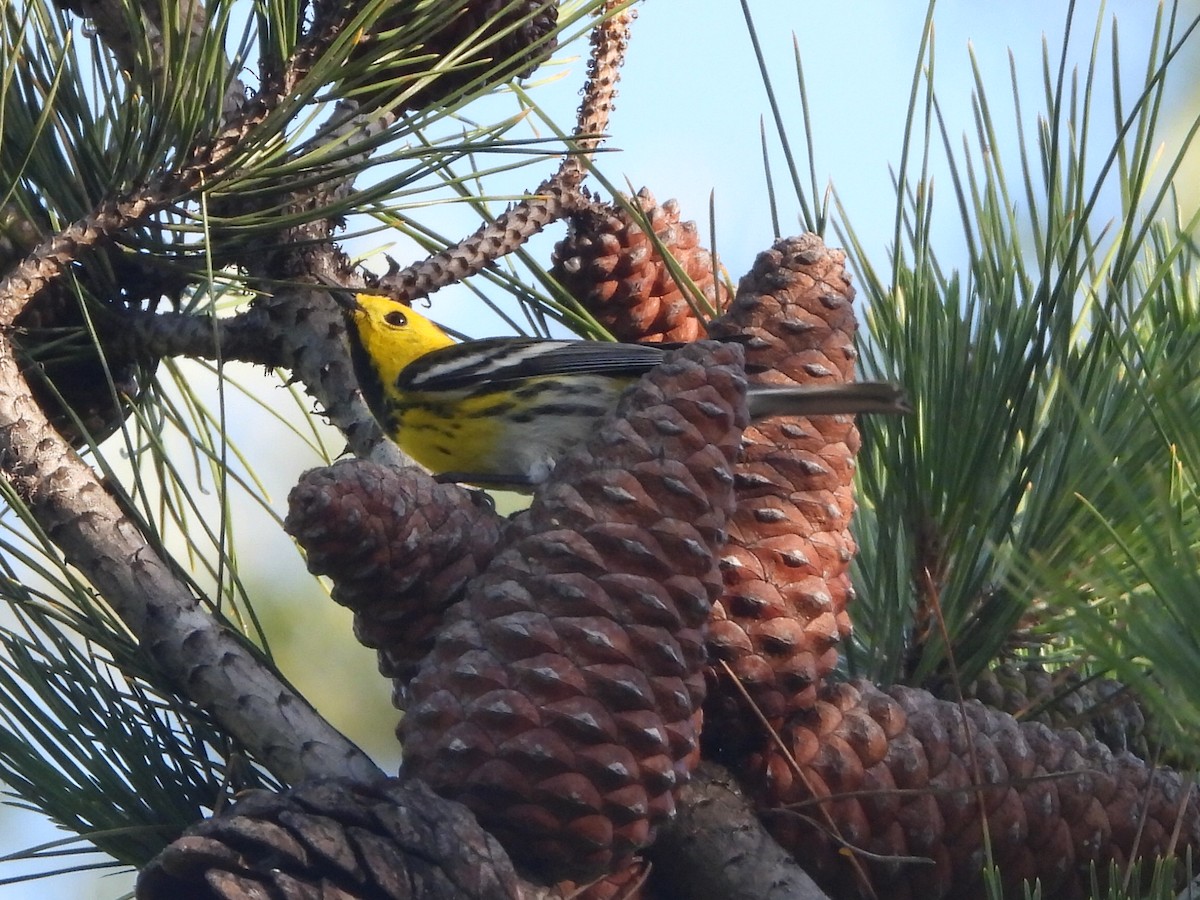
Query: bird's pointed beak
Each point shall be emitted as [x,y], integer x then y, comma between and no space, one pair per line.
[344,297]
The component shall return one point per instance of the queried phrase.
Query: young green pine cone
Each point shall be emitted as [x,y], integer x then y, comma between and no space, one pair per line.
[611,266]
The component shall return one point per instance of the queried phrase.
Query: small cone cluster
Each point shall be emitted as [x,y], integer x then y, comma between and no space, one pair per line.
[399,547]
[68,374]
[334,839]
[561,702]
[611,266]
[500,30]
[782,616]
[902,775]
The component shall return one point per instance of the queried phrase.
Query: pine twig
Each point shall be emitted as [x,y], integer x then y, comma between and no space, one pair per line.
[551,201]
[556,198]
[609,40]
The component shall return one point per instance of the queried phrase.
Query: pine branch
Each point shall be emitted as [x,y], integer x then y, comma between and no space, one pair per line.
[51,258]
[551,201]
[203,659]
[556,198]
[206,163]
[609,40]
[246,337]
[716,848]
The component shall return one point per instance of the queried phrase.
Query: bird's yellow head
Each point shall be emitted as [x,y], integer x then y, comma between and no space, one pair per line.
[391,334]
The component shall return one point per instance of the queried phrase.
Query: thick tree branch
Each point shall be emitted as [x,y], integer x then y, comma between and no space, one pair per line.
[246,337]
[717,849]
[203,659]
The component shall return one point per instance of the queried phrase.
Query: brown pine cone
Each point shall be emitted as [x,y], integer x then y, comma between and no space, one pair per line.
[1098,708]
[610,265]
[19,234]
[334,839]
[400,549]
[521,33]
[561,701]
[787,583]
[896,774]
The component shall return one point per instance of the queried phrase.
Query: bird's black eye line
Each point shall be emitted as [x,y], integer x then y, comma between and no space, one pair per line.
[396,319]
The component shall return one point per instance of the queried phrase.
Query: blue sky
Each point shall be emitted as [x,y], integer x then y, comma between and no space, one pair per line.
[688,117]
[687,125]
[691,102]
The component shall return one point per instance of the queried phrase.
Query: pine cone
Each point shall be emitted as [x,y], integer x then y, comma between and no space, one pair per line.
[893,774]
[19,234]
[787,584]
[400,549]
[611,266]
[1098,708]
[522,31]
[561,701]
[334,839]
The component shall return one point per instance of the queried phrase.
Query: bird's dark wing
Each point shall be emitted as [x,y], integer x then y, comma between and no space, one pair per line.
[503,361]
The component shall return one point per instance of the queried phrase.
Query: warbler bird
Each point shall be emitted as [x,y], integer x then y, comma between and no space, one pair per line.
[499,412]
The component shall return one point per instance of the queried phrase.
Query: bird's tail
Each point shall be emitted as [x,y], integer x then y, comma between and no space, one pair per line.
[826,399]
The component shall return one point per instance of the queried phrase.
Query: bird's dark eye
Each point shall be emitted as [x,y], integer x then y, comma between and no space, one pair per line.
[396,319]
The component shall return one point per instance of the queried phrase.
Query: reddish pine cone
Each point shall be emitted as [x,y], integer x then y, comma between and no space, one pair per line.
[1054,802]
[787,584]
[399,547]
[335,839]
[561,700]
[611,266]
